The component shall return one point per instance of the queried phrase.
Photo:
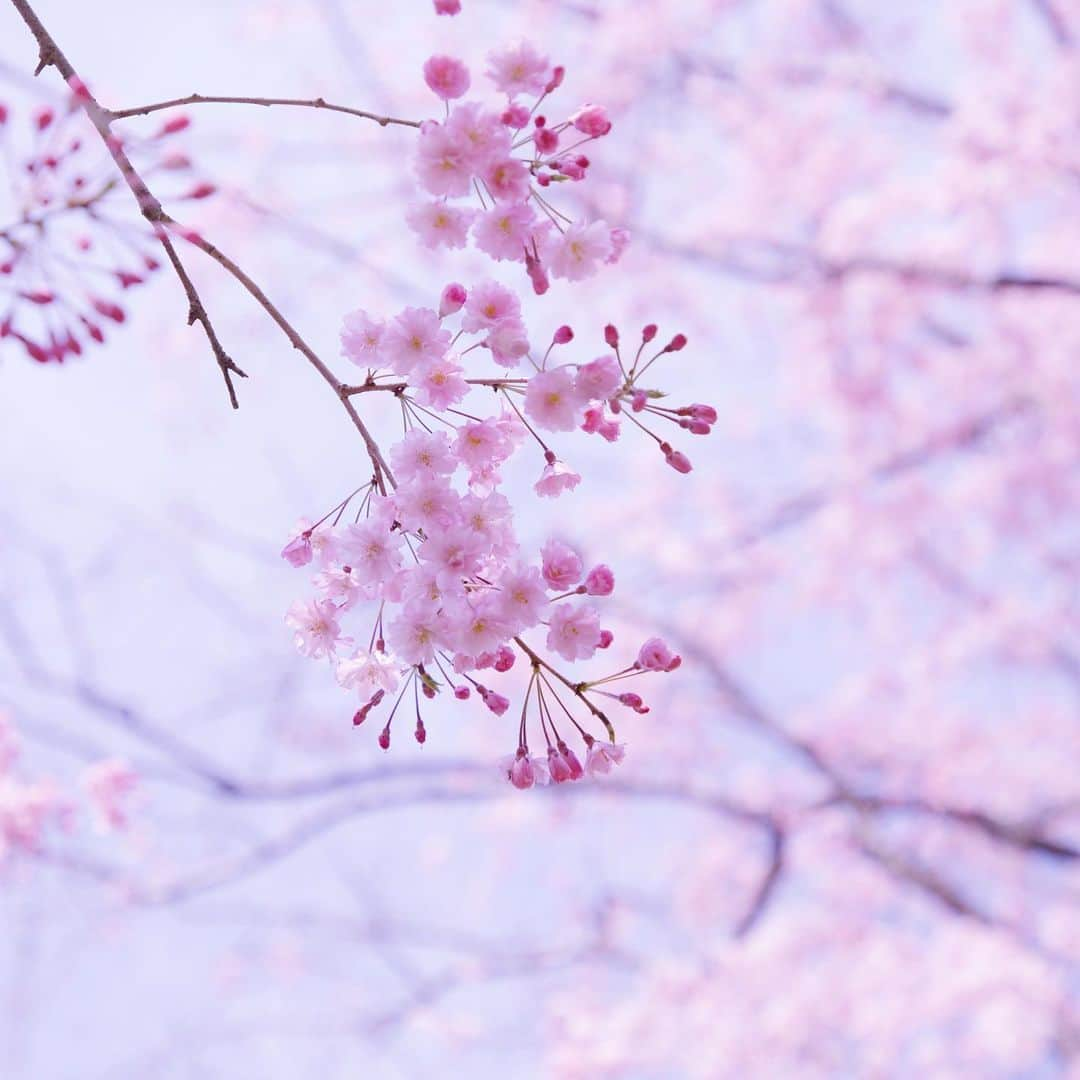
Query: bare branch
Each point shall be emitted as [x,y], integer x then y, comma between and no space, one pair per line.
[207,99]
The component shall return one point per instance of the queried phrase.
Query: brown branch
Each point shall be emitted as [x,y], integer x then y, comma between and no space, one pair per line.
[401,387]
[49,53]
[206,99]
[577,689]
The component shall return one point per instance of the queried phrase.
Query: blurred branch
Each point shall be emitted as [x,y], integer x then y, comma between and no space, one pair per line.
[1054,21]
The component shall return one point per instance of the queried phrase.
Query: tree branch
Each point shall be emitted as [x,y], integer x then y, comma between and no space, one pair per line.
[207,99]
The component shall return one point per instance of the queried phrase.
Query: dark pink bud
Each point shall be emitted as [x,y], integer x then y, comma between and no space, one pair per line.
[43,117]
[461,692]
[648,333]
[591,120]
[600,581]
[563,336]
[200,191]
[611,336]
[576,771]
[558,766]
[606,638]
[421,732]
[495,702]
[516,116]
[678,461]
[384,737]
[3,113]
[695,427]
[38,296]
[428,691]
[537,274]
[452,299]
[109,310]
[703,412]
[522,774]
[546,140]
[504,658]
[676,343]
[639,400]
[556,79]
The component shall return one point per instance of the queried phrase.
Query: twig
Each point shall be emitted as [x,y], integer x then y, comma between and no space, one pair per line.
[208,99]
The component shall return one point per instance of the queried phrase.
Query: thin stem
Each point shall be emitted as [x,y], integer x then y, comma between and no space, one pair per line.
[218,99]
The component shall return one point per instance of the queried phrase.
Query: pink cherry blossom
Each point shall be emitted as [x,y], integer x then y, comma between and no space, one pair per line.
[556,478]
[361,337]
[562,565]
[518,69]
[552,401]
[447,77]
[297,552]
[342,586]
[439,224]
[414,337]
[422,453]
[591,120]
[577,253]
[488,304]
[443,163]
[479,137]
[447,7]
[523,596]
[656,656]
[574,631]
[507,180]
[370,550]
[441,383]
[427,503]
[367,672]
[508,342]
[481,444]
[596,422]
[414,634]
[598,379]
[317,632]
[505,231]
[602,756]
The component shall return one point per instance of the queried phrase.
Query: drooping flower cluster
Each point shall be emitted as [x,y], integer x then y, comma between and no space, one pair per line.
[505,160]
[30,809]
[427,546]
[67,254]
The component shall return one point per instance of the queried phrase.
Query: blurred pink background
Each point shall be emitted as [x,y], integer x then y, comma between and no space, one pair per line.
[845,840]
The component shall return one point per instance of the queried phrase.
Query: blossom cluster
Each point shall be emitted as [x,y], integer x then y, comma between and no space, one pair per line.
[67,255]
[426,548]
[505,160]
[30,809]
[428,544]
